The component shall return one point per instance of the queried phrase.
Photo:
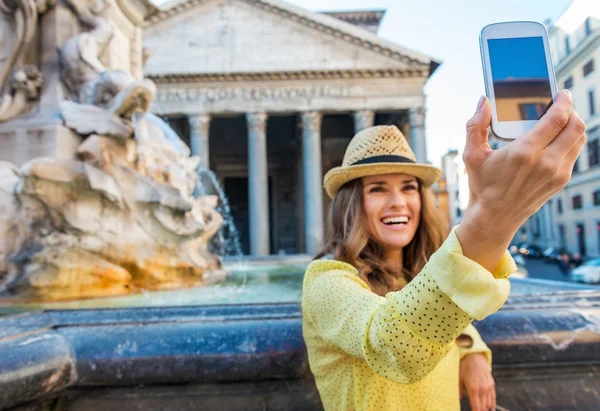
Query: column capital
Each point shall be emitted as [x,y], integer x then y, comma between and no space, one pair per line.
[199,120]
[256,120]
[363,119]
[416,116]
[199,137]
[311,120]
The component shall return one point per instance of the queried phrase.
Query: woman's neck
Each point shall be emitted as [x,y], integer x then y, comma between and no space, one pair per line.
[393,259]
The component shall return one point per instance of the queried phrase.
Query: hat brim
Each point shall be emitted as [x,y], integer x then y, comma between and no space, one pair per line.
[338,176]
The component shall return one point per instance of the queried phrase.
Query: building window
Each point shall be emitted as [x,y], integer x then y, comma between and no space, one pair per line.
[598,230]
[592,101]
[597,198]
[532,111]
[562,236]
[567,45]
[588,26]
[559,205]
[588,68]
[577,202]
[593,148]
[580,230]
[576,166]
[568,82]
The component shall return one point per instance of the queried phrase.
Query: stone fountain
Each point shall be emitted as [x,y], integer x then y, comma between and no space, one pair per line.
[118,214]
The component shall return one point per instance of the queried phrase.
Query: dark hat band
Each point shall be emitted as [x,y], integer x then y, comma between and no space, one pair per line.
[383,159]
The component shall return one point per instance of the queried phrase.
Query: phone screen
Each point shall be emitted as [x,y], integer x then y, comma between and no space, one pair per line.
[520,78]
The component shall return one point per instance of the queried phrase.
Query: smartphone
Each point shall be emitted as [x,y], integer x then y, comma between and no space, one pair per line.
[519,75]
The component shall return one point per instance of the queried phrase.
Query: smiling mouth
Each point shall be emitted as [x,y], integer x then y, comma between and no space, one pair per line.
[395,221]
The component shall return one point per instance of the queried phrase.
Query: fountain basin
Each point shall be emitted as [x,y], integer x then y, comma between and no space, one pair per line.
[546,348]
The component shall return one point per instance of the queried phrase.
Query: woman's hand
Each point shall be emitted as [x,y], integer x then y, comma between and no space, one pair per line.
[475,376]
[510,184]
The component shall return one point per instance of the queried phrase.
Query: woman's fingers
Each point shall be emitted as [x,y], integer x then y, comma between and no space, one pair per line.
[492,395]
[572,155]
[551,123]
[554,185]
[475,400]
[476,145]
[493,400]
[567,138]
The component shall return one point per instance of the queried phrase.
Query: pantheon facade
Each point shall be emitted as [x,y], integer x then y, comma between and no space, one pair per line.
[268,95]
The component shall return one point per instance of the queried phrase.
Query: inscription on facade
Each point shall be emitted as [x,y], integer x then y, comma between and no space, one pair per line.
[215,94]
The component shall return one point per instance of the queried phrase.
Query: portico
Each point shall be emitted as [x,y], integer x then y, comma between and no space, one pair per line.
[274,125]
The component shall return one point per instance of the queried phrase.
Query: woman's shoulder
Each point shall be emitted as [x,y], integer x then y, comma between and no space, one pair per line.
[327,264]
[328,272]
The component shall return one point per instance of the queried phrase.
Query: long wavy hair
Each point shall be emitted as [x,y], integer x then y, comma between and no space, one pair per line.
[349,241]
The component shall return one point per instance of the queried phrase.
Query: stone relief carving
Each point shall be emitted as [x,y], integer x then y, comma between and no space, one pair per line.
[120,217]
[251,94]
[19,85]
[291,75]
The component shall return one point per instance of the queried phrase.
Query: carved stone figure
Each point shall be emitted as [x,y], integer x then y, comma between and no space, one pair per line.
[119,217]
[18,90]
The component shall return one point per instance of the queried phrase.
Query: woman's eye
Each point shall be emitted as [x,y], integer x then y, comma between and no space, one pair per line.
[376,189]
[412,187]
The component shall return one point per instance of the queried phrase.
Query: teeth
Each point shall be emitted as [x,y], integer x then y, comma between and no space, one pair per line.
[395,220]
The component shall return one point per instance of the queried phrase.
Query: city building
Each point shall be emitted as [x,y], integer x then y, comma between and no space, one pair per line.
[440,192]
[269,95]
[571,219]
[455,175]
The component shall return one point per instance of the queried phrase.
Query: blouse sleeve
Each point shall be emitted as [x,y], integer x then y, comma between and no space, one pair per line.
[405,334]
[476,345]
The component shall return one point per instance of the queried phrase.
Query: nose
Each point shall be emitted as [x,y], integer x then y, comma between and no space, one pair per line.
[397,199]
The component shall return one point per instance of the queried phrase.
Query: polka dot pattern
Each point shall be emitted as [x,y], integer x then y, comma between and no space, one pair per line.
[397,352]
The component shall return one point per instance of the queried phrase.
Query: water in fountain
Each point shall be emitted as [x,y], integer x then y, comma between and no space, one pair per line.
[227,240]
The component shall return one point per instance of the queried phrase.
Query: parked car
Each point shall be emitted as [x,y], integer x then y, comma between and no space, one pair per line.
[588,272]
[552,254]
[530,250]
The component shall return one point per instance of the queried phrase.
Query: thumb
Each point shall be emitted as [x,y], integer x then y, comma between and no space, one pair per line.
[477,126]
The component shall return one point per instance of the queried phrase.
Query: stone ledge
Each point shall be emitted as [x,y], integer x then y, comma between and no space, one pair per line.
[235,346]
[34,365]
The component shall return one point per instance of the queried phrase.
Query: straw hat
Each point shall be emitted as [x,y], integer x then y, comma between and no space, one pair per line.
[378,150]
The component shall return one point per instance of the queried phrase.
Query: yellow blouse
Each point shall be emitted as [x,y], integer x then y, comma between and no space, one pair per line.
[397,352]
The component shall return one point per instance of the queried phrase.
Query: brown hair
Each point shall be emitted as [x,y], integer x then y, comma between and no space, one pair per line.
[348,239]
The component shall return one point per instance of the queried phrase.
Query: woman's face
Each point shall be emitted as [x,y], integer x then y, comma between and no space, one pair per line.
[392,205]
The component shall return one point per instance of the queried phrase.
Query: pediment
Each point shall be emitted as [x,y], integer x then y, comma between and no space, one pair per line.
[201,37]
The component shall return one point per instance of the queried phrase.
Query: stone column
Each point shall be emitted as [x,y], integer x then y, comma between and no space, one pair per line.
[258,184]
[199,129]
[313,181]
[363,119]
[417,133]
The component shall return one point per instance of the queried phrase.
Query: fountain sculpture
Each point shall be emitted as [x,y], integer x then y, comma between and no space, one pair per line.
[120,215]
